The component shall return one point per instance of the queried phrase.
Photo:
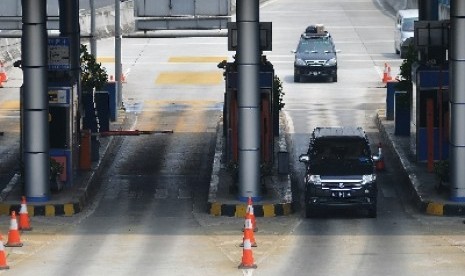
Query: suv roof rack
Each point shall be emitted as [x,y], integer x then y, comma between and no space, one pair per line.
[317,30]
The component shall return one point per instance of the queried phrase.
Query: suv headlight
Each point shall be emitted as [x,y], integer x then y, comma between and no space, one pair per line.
[314,179]
[331,62]
[368,178]
[299,61]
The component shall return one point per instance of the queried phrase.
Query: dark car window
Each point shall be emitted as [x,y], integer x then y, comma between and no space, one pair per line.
[408,24]
[340,149]
[319,45]
[336,156]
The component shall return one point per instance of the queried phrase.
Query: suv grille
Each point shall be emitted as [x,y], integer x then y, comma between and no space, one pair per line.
[315,62]
[341,184]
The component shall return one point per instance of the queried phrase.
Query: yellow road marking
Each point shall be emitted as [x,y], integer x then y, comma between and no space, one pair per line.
[12,105]
[106,59]
[189,103]
[183,78]
[196,59]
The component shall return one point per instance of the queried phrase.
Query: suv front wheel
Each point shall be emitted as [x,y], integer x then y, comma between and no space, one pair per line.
[372,211]
[310,210]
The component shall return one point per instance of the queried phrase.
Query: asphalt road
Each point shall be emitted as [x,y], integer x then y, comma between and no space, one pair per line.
[148,216]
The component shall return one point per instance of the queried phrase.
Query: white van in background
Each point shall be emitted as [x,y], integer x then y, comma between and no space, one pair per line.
[404,29]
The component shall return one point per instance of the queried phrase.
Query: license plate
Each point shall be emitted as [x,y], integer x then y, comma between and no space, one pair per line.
[341,194]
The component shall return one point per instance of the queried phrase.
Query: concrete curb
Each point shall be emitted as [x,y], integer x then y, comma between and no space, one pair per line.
[281,184]
[423,205]
[81,197]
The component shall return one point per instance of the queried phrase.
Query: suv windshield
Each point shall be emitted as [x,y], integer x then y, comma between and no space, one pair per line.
[340,156]
[318,45]
[408,24]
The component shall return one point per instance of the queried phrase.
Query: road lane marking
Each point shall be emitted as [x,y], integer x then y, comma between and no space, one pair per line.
[186,78]
[106,59]
[199,59]
[10,105]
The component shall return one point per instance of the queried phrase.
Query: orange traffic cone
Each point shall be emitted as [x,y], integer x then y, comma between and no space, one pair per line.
[3,264]
[251,212]
[24,223]
[247,256]
[13,235]
[3,76]
[380,162]
[387,73]
[248,231]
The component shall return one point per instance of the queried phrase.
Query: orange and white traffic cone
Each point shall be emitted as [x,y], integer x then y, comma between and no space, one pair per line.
[380,161]
[389,76]
[387,73]
[248,231]
[3,75]
[247,256]
[24,222]
[252,215]
[3,264]
[13,235]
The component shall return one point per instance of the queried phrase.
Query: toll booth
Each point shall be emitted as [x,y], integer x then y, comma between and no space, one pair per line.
[230,116]
[63,106]
[431,113]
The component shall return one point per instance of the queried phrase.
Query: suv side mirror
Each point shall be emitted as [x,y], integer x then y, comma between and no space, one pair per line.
[304,158]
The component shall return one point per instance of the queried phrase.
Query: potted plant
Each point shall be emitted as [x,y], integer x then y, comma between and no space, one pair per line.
[93,74]
[403,95]
[93,78]
[56,169]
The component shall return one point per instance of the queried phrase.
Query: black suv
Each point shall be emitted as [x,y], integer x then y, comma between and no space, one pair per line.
[315,55]
[340,170]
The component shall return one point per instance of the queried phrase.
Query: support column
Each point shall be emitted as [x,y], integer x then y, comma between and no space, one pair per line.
[118,66]
[93,38]
[457,100]
[34,65]
[69,27]
[248,67]
[428,10]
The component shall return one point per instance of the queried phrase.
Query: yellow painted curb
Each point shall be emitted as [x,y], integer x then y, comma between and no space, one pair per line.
[68,209]
[215,209]
[435,209]
[287,209]
[268,210]
[241,210]
[49,210]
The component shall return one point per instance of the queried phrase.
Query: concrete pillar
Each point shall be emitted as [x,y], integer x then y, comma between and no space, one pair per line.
[35,106]
[457,100]
[93,38]
[118,65]
[69,27]
[428,10]
[248,67]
